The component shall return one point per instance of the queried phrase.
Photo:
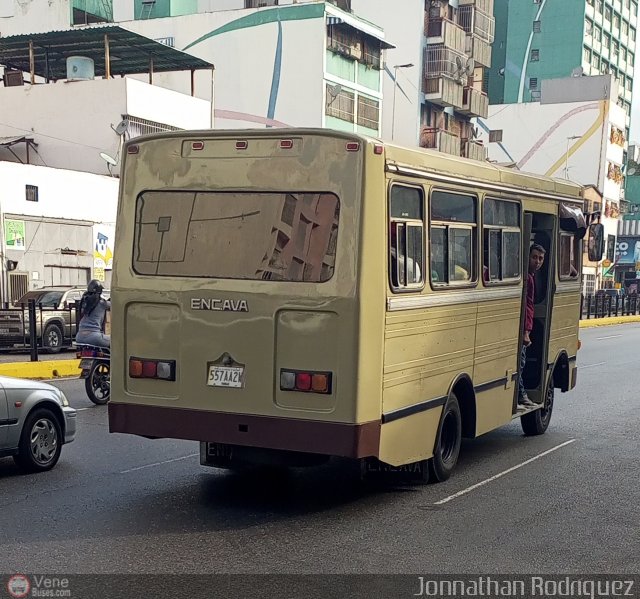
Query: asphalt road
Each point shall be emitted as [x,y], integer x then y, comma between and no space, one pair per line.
[121,504]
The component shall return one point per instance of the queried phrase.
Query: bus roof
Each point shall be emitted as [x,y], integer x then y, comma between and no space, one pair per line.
[416,161]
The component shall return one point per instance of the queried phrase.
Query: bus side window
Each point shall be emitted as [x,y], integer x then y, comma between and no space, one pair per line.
[406,237]
[569,263]
[453,238]
[501,239]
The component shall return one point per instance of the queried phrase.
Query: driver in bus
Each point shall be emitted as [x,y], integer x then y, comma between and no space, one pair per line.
[93,308]
[536,260]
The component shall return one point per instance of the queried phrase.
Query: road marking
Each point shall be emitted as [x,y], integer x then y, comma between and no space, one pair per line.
[501,474]
[82,409]
[592,365]
[607,337]
[191,455]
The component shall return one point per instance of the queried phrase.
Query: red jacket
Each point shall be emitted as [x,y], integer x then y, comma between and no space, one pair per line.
[531,293]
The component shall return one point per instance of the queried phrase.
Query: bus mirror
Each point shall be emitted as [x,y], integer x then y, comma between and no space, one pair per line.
[596,242]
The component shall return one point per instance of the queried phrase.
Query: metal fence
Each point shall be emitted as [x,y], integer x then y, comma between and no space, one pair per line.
[602,304]
[35,328]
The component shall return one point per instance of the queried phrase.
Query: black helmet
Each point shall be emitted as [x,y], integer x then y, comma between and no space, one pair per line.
[94,286]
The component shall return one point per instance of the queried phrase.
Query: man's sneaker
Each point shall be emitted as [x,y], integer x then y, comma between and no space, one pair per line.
[525,401]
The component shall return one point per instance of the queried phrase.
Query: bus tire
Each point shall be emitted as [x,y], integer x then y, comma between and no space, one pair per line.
[448,442]
[537,423]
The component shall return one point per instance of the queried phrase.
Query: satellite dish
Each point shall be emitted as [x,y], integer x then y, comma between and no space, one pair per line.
[632,171]
[471,64]
[459,63]
[108,159]
[334,90]
[122,127]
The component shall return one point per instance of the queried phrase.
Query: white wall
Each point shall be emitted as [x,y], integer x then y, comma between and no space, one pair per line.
[403,24]
[244,61]
[534,136]
[61,193]
[71,121]
[34,16]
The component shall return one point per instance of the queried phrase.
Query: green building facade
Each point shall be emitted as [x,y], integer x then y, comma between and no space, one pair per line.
[550,39]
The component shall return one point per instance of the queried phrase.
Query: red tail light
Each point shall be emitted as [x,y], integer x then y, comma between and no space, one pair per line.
[286,144]
[353,146]
[305,381]
[141,368]
[197,145]
[242,144]
[133,149]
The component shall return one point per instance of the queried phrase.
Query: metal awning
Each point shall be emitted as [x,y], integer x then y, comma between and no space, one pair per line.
[337,17]
[113,49]
[8,143]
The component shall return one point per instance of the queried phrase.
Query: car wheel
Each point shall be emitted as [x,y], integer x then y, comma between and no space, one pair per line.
[40,442]
[53,338]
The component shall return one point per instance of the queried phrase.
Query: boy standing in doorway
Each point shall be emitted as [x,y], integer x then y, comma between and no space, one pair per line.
[536,260]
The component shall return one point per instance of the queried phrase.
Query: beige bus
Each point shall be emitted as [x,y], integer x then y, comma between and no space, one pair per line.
[285,296]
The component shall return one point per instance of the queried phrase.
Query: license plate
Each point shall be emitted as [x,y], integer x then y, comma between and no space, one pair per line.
[86,363]
[225,376]
[219,450]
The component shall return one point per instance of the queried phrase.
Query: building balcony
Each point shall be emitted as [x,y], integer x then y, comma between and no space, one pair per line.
[445,32]
[479,50]
[474,103]
[477,22]
[474,149]
[440,140]
[485,6]
[443,91]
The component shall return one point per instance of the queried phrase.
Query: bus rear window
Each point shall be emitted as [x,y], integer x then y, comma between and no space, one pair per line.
[237,235]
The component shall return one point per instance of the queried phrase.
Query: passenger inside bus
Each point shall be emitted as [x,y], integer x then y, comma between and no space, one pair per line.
[400,253]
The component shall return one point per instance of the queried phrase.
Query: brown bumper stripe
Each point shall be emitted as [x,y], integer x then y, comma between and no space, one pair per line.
[326,438]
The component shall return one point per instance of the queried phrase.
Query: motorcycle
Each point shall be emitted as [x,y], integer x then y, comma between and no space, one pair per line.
[95,364]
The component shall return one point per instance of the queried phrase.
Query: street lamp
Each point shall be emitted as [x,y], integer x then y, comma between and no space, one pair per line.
[395,87]
[566,156]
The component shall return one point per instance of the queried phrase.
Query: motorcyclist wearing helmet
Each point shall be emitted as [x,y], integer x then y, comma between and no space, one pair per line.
[92,311]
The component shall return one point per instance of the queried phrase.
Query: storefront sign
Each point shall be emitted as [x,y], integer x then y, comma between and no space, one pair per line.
[14,234]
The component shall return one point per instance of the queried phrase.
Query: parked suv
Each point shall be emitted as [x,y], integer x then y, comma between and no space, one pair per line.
[55,323]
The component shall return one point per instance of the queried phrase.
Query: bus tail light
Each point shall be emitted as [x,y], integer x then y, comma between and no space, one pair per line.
[286,144]
[197,145]
[305,381]
[134,149]
[353,146]
[242,144]
[140,368]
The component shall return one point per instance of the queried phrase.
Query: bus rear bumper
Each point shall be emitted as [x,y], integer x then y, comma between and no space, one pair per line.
[289,434]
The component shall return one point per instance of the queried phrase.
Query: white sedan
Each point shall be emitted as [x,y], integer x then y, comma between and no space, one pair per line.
[35,422]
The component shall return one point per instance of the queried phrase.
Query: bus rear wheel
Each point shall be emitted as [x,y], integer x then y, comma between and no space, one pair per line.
[448,442]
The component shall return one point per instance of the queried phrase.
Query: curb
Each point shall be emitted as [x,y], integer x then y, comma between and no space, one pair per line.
[47,369]
[603,322]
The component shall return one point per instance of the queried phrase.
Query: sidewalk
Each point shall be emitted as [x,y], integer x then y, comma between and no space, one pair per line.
[602,322]
[49,366]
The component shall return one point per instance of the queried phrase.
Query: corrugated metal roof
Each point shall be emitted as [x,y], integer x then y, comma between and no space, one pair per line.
[10,141]
[130,53]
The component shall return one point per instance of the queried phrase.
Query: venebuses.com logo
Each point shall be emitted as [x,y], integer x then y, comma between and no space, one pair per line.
[18,586]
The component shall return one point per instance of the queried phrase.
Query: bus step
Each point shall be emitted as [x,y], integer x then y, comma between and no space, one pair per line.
[522,410]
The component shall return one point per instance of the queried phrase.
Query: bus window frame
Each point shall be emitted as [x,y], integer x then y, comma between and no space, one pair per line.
[578,250]
[446,225]
[511,281]
[407,222]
